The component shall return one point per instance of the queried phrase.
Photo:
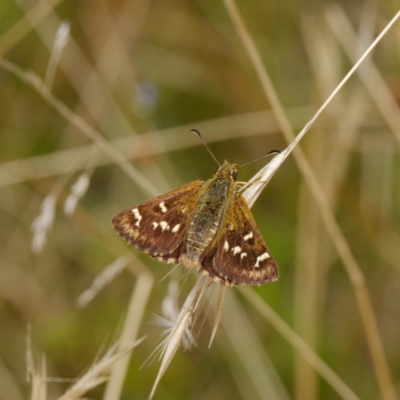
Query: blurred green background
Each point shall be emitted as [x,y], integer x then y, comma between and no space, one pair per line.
[142,73]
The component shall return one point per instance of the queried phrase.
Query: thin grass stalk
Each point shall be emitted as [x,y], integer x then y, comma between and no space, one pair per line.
[313,244]
[36,376]
[258,370]
[266,83]
[157,142]
[374,342]
[307,277]
[112,63]
[331,155]
[371,77]
[60,42]
[23,26]
[35,82]
[298,344]
[114,59]
[78,70]
[133,320]
[105,278]
[98,373]
[324,59]
[218,313]
[307,281]
[314,248]
[183,324]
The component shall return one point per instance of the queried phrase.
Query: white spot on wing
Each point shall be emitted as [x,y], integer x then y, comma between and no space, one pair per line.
[261,258]
[164,226]
[243,255]
[137,215]
[163,208]
[226,245]
[175,228]
[155,224]
[248,236]
[236,250]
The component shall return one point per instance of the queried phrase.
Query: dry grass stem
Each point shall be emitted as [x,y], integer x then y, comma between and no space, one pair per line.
[60,42]
[36,377]
[330,155]
[299,344]
[156,143]
[183,323]
[36,83]
[132,323]
[266,173]
[21,28]
[257,371]
[218,313]
[38,381]
[375,345]
[43,223]
[99,372]
[377,88]
[104,278]
[78,190]
[93,93]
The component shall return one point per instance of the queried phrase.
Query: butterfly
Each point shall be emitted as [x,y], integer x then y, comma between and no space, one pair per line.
[203,224]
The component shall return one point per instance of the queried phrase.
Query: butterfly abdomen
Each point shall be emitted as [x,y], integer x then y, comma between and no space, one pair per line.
[206,220]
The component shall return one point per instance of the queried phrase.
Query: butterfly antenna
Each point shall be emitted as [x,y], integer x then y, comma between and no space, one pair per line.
[205,144]
[259,158]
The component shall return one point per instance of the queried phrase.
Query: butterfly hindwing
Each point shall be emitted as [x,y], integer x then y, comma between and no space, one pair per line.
[158,226]
[240,254]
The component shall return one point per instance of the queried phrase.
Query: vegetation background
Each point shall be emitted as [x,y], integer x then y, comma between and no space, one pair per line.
[141,74]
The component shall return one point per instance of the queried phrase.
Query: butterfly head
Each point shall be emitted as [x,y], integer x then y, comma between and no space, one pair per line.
[227,169]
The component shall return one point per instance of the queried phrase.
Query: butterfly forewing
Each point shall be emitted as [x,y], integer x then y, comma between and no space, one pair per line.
[158,226]
[240,255]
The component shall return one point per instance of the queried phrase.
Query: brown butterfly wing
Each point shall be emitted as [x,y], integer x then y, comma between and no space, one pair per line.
[240,254]
[159,226]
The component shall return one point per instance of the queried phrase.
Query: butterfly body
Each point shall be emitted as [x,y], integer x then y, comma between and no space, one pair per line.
[203,224]
[215,196]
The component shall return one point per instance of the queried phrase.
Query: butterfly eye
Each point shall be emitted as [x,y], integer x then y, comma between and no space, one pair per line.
[234,175]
